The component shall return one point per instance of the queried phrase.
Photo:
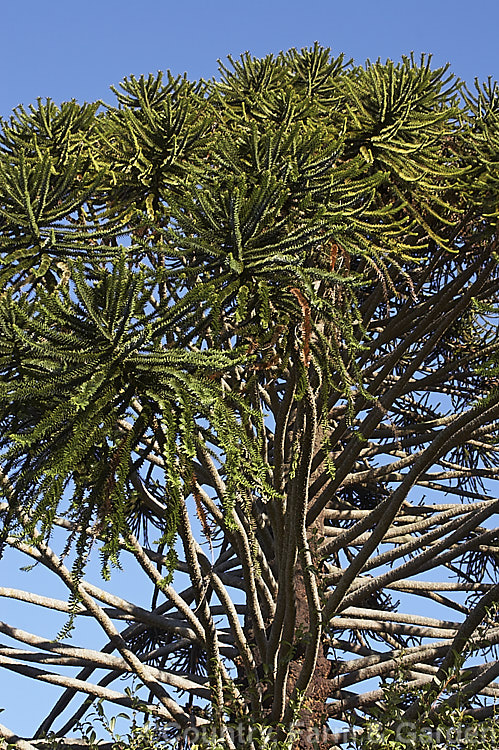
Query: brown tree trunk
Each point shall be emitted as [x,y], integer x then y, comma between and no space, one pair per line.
[312,715]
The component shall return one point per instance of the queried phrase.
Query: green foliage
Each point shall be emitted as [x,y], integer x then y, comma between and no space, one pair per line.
[452,729]
[162,258]
[449,727]
[77,361]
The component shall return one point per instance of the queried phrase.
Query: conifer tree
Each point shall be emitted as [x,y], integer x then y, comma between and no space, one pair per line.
[248,336]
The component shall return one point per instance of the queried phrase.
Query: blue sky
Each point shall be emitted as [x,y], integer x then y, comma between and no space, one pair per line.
[70,50]
[63,50]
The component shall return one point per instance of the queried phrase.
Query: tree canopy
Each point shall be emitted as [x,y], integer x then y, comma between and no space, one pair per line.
[258,315]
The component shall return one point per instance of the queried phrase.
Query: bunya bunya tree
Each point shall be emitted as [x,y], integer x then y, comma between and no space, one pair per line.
[248,343]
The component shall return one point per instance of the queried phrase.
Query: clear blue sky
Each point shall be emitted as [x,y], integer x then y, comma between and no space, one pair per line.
[63,50]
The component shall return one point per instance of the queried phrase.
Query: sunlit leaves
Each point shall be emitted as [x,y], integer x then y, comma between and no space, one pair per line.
[162,260]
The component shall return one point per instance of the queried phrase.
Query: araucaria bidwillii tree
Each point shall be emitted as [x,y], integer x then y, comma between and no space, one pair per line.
[254,319]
